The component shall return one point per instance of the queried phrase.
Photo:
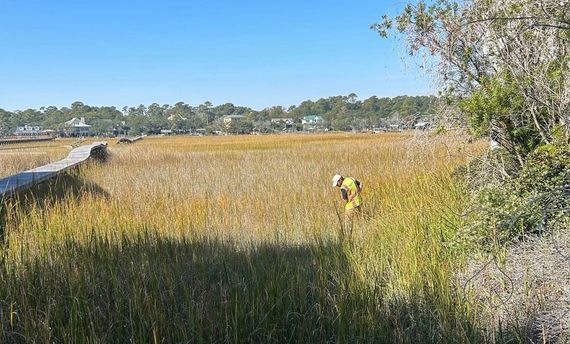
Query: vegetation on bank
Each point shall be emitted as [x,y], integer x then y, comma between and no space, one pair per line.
[505,65]
[508,88]
[339,113]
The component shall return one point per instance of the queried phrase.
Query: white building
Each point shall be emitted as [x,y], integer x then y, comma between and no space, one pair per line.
[289,121]
[228,120]
[421,125]
[313,122]
[28,130]
[77,127]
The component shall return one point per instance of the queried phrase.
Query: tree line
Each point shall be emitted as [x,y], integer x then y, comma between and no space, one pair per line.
[338,112]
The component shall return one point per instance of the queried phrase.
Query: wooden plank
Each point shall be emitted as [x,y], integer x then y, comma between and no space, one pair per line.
[37,175]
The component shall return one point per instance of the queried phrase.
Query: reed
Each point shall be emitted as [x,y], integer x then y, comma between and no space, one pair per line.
[238,239]
[19,157]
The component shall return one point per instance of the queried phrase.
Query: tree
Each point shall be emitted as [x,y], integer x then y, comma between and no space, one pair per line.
[485,52]
[5,126]
[206,113]
[78,107]
[53,118]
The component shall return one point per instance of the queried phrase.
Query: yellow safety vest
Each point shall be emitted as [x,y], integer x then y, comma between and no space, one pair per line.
[349,184]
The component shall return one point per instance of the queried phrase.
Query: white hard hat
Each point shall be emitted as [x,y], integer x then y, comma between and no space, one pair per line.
[335,179]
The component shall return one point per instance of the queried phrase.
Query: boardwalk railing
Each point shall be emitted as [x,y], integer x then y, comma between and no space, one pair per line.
[12,140]
[27,179]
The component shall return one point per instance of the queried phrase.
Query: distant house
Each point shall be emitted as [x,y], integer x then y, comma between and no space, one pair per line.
[118,129]
[228,120]
[232,118]
[313,122]
[198,132]
[49,132]
[394,127]
[76,127]
[285,121]
[421,126]
[28,130]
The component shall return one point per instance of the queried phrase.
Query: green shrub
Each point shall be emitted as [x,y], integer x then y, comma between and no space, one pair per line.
[535,200]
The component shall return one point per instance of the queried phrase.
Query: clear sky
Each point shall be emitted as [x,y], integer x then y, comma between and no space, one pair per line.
[252,53]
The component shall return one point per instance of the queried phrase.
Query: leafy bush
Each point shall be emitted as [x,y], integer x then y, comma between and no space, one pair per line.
[535,200]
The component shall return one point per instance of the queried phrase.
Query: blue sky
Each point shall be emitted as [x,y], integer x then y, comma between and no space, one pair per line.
[251,53]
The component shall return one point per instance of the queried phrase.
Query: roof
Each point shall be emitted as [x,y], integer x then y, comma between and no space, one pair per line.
[77,123]
[312,117]
[28,128]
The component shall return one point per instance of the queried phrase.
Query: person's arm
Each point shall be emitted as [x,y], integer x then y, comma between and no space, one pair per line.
[344,195]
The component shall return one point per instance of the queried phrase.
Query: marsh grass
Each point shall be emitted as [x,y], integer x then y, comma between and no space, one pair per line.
[237,239]
[20,157]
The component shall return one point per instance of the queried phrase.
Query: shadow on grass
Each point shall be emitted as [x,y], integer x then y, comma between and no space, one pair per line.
[149,288]
[65,186]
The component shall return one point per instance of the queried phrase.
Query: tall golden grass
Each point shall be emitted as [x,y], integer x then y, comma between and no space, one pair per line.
[19,157]
[241,239]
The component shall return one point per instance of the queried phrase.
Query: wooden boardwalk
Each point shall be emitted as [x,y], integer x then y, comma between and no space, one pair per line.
[12,140]
[27,179]
[129,139]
